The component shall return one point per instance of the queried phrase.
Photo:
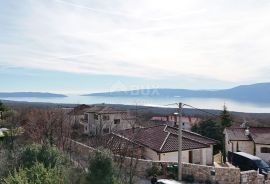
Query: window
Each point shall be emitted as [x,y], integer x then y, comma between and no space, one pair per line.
[265,150]
[86,117]
[106,117]
[96,116]
[106,130]
[116,121]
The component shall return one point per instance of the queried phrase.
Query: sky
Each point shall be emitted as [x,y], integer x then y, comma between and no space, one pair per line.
[81,46]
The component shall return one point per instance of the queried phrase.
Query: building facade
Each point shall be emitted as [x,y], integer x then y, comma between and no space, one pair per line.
[101,120]
[255,141]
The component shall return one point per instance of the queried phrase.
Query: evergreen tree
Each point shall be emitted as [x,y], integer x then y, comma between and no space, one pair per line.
[226,120]
[211,129]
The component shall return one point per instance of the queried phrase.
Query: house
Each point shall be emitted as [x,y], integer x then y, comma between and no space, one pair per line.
[171,120]
[255,141]
[98,120]
[160,143]
[77,113]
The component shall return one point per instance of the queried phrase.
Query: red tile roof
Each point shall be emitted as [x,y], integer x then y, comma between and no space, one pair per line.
[163,138]
[79,110]
[104,110]
[259,135]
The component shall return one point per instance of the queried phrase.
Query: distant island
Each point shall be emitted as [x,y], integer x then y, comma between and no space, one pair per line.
[259,92]
[29,94]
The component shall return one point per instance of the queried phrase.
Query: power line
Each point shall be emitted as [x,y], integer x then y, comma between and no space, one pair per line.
[201,110]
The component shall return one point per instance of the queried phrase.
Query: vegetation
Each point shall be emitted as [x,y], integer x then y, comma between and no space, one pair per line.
[37,174]
[50,156]
[213,128]
[154,170]
[101,169]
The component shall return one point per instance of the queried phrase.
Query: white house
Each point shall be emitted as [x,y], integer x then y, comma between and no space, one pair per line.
[160,143]
[255,141]
[100,120]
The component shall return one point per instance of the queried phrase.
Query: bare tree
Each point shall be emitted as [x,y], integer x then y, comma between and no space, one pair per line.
[48,126]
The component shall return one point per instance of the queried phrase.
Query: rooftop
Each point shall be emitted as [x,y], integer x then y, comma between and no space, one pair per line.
[260,135]
[161,138]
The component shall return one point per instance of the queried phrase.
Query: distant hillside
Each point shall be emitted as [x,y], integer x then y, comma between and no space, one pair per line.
[30,94]
[254,93]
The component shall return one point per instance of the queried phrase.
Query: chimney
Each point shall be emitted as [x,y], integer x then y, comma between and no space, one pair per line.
[247,132]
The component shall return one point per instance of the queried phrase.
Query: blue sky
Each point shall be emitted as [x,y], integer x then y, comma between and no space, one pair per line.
[83,46]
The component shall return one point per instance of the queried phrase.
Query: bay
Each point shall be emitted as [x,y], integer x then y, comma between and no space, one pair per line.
[203,103]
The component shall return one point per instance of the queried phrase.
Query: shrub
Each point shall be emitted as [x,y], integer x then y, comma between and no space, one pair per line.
[37,174]
[154,170]
[100,169]
[50,156]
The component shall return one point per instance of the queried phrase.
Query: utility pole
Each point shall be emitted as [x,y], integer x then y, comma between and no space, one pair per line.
[179,118]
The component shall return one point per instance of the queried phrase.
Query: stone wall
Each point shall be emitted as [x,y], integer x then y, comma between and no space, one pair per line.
[201,173]
[267,181]
[251,177]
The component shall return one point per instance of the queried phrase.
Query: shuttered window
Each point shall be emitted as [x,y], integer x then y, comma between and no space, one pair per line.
[265,150]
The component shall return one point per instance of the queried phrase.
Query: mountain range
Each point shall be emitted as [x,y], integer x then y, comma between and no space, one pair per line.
[30,94]
[259,92]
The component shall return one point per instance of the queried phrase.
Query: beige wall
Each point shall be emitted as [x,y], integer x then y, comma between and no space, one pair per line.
[264,156]
[173,156]
[209,155]
[150,154]
[244,146]
[196,154]
[200,156]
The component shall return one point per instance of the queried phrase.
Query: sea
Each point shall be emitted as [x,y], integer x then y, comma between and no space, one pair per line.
[202,103]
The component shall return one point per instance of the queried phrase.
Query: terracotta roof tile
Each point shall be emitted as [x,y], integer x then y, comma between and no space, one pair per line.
[79,110]
[165,139]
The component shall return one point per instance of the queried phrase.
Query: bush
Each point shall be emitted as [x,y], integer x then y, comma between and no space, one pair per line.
[154,170]
[100,169]
[37,174]
[50,156]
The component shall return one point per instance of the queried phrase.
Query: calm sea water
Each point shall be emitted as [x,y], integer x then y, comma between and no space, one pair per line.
[205,103]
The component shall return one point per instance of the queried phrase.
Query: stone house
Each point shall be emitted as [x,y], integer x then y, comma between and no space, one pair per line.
[255,141]
[159,143]
[171,120]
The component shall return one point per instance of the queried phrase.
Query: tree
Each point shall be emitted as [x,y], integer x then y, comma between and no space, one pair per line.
[50,156]
[211,129]
[101,169]
[50,126]
[3,107]
[37,174]
[226,120]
